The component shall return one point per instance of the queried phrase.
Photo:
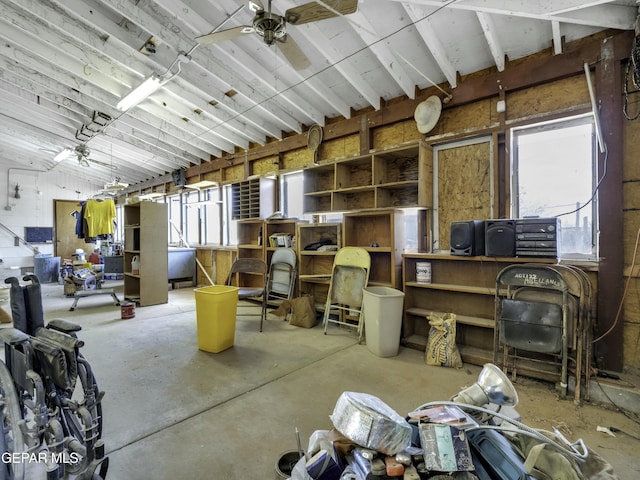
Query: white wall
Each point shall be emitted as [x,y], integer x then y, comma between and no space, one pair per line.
[34,208]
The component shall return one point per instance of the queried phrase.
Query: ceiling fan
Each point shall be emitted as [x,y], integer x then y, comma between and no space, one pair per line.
[81,153]
[272,27]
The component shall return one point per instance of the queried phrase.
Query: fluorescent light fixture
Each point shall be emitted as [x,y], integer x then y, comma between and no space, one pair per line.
[203,202]
[62,155]
[142,91]
[201,184]
[151,195]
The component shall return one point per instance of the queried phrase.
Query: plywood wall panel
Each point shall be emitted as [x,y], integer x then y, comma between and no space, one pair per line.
[559,95]
[296,159]
[473,116]
[264,165]
[631,310]
[234,174]
[630,150]
[631,343]
[464,188]
[339,148]
[631,224]
[395,134]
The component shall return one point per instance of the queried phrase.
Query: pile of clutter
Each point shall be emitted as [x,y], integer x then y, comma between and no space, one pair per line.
[79,274]
[475,436]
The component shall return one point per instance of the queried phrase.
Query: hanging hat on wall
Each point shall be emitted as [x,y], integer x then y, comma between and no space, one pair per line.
[427,113]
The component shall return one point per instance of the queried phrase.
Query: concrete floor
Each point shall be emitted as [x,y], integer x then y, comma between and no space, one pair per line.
[172,411]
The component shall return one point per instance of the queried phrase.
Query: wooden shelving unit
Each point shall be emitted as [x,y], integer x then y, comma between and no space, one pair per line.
[253,198]
[145,236]
[314,267]
[251,244]
[251,238]
[384,228]
[399,177]
[284,226]
[462,285]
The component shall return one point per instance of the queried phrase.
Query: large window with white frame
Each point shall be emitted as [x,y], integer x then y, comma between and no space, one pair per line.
[211,210]
[554,175]
[230,228]
[292,195]
[192,217]
[174,211]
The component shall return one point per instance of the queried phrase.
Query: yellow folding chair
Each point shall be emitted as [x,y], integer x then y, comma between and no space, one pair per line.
[349,275]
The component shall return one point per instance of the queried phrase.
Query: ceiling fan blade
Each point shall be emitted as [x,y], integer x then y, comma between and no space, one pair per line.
[223,35]
[293,53]
[102,164]
[256,6]
[320,10]
[49,150]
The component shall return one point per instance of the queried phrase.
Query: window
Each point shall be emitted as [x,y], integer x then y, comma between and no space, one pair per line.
[118,231]
[212,217]
[175,219]
[230,228]
[191,226]
[292,195]
[554,167]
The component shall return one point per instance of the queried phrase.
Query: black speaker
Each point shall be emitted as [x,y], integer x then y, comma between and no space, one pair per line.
[467,238]
[180,177]
[500,238]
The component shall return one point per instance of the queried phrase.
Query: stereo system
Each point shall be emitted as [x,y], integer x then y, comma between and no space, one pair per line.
[467,238]
[500,238]
[537,237]
[523,237]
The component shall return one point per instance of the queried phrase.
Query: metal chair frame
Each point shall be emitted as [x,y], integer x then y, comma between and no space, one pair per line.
[282,274]
[243,269]
[573,287]
[349,275]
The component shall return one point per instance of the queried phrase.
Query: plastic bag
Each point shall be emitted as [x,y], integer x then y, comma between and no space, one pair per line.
[371,423]
[441,343]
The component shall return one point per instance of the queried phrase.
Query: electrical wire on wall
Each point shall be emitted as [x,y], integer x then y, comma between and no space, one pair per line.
[616,320]
[634,63]
[599,139]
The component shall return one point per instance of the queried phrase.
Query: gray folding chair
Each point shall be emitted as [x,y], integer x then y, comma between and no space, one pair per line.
[282,274]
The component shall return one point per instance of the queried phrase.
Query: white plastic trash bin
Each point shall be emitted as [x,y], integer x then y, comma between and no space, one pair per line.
[382,309]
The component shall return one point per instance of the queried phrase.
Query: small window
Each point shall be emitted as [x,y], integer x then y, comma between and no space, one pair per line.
[230,229]
[554,167]
[292,195]
[192,212]
[175,219]
[212,217]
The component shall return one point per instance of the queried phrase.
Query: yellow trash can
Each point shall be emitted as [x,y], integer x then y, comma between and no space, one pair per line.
[216,317]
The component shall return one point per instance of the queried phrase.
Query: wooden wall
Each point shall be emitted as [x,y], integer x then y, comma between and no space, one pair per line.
[559,89]
[631,191]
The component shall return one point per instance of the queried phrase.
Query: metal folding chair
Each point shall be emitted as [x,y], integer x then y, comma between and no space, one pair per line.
[349,275]
[250,276]
[282,274]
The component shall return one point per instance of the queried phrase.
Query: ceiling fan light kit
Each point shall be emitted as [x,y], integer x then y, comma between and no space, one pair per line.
[272,27]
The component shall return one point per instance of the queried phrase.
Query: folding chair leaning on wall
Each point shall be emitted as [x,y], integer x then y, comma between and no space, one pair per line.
[349,275]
